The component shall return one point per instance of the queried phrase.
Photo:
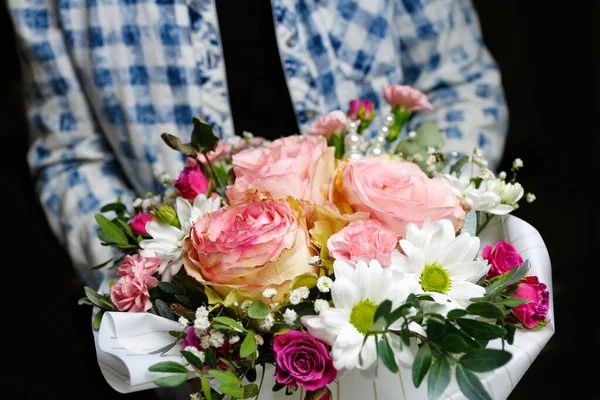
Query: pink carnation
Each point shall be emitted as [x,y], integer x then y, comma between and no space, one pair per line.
[330,124]
[130,293]
[406,97]
[137,264]
[364,240]
[138,223]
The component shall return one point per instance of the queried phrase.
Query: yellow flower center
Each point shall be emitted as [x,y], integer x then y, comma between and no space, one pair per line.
[362,316]
[435,279]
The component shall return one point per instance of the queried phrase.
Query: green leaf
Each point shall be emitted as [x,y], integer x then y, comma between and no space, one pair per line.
[258,310]
[163,309]
[421,364]
[458,165]
[192,359]
[210,358]
[480,329]
[383,310]
[438,379]
[510,333]
[435,330]
[110,231]
[84,301]
[470,225]
[513,302]
[278,386]
[227,377]
[236,391]
[176,144]
[203,136]
[205,387]
[163,349]
[171,288]
[470,385]
[456,313]
[116,207]
[171,381]
[251,374]
[97,299]
[429,135]
[385,353]
[399,312]
[98,266]
[454,344]
[486,310]
[230,322]
[250,390]
[484,360]
[337,141]
[248,346]
[126,229]
[97,320]
[168,366]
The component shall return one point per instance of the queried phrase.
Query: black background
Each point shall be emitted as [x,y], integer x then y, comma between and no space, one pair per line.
[547,55]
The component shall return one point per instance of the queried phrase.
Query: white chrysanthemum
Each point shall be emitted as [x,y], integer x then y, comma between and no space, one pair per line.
[356,294]
[442,264]
[167,239]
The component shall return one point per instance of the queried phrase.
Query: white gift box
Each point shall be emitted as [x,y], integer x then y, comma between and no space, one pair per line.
[124,341]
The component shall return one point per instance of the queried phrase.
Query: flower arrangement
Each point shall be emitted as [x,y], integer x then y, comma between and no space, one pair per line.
[323,253]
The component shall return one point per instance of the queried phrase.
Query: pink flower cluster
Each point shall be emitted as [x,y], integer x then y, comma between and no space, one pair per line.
[130,292]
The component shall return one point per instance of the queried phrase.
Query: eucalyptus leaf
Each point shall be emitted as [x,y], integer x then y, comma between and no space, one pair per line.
[171,381]
[429,135]
[97,320]
[439,378]
[171,288]
[385,353]
[258,310]
[163,309]
[163,349]
[480,329]
[168,366]
[110,231]
[470,225]
[421,364]
[484,360]
[248,346]
[470,385]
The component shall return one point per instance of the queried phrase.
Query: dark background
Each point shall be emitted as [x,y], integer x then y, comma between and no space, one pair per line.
[547,56]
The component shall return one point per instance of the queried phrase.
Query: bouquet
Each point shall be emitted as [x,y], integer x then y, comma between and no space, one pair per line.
[316,256]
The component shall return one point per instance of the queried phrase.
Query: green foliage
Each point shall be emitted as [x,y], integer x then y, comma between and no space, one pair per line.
[428,136]
[203,140]
[258,310]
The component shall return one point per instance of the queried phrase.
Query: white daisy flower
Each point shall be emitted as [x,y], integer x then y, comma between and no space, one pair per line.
[167,239]
[442,264]
[356,294]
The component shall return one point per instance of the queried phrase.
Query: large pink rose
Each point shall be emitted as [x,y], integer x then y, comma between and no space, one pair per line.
[406,97]
[364,240]
[533,312]
[302,360]
[394,192]
[250,245]
[331,124]
[298,166]
[502,258]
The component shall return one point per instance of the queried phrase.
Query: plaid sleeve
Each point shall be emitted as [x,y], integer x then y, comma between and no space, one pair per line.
[74,169]
[443,55]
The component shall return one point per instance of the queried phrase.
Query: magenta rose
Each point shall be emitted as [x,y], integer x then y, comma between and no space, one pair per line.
[533,312]
[502,258]
[138,222]
[406,97]
[302,360]
[331,124]
[191,182]
[363,240]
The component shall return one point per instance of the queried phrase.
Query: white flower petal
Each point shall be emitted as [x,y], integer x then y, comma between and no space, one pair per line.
[184,213]
[344,293]
[346,348]
[342,269]
[362,280]
[368,353]
[335,319]
[316,328]
[163,231]
[461,292]
[470,271]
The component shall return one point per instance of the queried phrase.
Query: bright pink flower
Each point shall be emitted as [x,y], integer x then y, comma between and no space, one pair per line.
[302,360]
[534,312]
[138,222]
[191,182]
[137,264]
[363,240]
[331,124]
[502,258]
[406,97]
[355,108]
[130,293]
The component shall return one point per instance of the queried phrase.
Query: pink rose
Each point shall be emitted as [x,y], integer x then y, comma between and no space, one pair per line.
[363,240]
[355,107]
[394,192]
[533,312]
[130,292]
[302,360]
[406,97]
[249,246]
[502,259]
[191,182]
[134,264]
[298,166]
[223,150]
[138,222]
[330,124]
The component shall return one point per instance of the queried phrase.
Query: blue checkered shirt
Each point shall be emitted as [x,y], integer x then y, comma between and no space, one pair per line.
[104,78]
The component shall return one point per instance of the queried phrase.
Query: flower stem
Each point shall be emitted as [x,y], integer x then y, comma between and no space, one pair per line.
[262,377]
[488,218]
[222,192]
